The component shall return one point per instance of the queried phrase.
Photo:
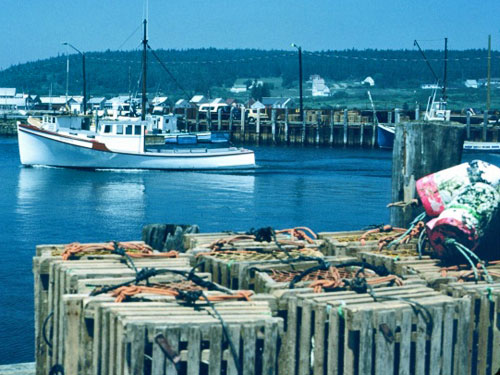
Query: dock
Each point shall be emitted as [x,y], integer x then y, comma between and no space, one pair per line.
[241,303]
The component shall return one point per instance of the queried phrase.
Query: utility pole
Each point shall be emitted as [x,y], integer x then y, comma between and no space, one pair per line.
[83,74]
[445,67]
[299,48]
[488,92]
[144,63]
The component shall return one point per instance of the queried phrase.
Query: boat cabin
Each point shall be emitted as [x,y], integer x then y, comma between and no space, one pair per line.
[54,123]
[125,136]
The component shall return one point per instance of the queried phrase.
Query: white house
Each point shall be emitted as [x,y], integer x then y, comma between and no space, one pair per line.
[95,104]
[318,86]
[471,84]
[369,81]
[198,100]
[238,88]
[183,103]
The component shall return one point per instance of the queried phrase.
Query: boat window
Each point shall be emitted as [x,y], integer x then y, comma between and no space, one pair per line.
[128,129]
[119,129]
[137,130]
[107,128]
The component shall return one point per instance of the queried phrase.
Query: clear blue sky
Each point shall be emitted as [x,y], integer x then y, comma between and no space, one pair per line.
[34,29]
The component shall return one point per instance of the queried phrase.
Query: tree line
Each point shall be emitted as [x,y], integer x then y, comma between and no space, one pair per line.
[200,70]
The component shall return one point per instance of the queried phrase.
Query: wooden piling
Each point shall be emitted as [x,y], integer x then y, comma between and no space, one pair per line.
[231,114]
[418,151]
[318,127]
[257,127]
[219,119]
[303,133]
[330,141]
[345,126]
[468,125]
[197,119]
[286,125]
[273,124]
[242,124]
[485,126]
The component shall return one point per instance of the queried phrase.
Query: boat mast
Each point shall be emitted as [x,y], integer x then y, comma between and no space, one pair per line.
[445,67]
[144,62]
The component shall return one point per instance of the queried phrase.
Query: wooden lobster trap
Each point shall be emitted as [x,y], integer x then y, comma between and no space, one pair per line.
[291,238]
[276,280]
[351,243]
[435,273]
[484,329]
[234,269]
[51,284]
[408,330]
[125,336]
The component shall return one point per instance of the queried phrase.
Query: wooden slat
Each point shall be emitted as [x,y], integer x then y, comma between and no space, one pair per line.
[194,351]
[248,336]
[216,337]
[384,351]
[234,332]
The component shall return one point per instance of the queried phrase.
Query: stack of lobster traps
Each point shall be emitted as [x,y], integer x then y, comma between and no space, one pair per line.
[264,302]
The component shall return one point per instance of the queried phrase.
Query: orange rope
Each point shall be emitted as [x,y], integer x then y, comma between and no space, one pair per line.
[124,292]
[135,250]
[385,228]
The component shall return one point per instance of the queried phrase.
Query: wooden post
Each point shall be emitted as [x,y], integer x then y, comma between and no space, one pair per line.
[485,125]
[273,124]
[418,151]
[303,138]
[468,124]
[209,119]
[362,134]
[257,126]
[417,112]
[242,124]
[345,127]
[231,114]
[186,114]
[318,126]
[219,119]
[197,119]
[286,125]
[331,127]
[389,117]
[397,116]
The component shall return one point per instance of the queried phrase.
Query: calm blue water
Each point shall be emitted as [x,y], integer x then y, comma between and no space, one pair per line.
[324,189]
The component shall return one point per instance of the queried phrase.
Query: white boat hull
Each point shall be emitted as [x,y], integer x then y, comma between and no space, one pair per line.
[39,147]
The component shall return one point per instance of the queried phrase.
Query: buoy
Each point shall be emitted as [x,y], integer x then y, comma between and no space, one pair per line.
[465,218]
[438,190]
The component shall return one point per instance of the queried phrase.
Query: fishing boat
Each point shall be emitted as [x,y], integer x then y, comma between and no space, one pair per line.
[114,144]
[436,111]
[68,141]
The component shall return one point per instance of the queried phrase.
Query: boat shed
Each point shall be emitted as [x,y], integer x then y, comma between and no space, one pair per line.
[199,100]
[96,103]
[273,102]
[160,104]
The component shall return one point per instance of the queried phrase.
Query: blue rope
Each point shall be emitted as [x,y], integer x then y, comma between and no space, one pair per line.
[420,217]
[465,251]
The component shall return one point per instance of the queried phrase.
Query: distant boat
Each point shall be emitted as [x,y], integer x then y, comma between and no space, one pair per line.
[482,146]
[117,144]
[385,136]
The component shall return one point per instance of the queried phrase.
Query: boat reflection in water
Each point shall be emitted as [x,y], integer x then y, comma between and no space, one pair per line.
[83,205]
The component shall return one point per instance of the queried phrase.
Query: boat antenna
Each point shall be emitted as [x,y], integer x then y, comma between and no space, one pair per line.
[415,43]
[144,67]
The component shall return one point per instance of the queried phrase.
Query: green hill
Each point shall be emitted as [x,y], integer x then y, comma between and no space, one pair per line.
[208,70]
